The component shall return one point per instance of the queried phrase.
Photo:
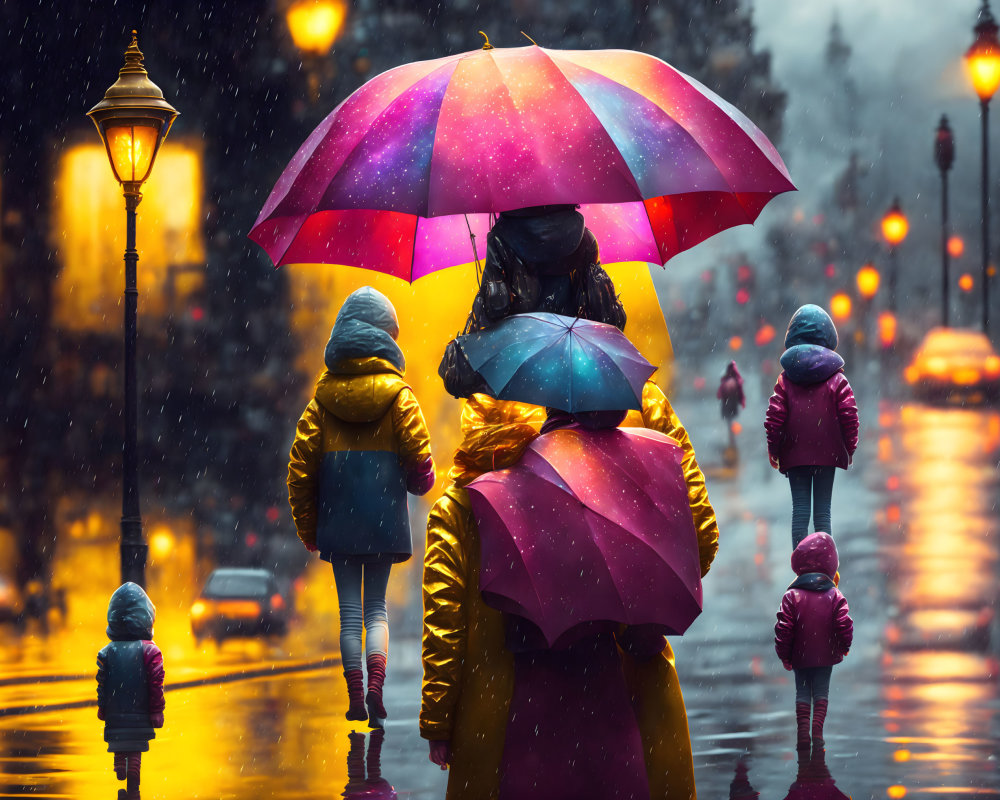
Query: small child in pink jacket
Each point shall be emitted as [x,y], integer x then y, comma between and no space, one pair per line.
[812,418]
[814,631]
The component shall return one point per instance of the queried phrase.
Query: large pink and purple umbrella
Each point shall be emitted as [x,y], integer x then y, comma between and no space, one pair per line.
[393,179]
[590,526]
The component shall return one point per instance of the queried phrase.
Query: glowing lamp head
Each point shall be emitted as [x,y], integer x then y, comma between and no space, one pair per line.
[840,307]
[133,119]
[983,58]
[868,281]
[314,24]
[956,246]
[886,328]
[895,225]
[965,282]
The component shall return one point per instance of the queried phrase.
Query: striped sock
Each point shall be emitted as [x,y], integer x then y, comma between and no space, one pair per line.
[802,724]
[120,766]
[134,765]
[819,717]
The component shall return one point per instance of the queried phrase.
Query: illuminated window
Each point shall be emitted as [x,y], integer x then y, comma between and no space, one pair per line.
[89,236]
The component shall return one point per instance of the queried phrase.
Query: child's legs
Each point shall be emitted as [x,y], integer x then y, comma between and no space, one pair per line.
[822,496]
[120,764]
[821,682]
[376,617]
[803,685]
[347,576]
[134,764]
[800,480]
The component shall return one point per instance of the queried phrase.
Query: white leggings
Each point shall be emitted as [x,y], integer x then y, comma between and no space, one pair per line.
[349,577]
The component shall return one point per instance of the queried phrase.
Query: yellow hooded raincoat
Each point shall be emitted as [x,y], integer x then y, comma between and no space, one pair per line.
[468,673]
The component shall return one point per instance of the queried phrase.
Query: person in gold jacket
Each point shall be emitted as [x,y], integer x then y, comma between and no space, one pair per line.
[468,672]
[360,446]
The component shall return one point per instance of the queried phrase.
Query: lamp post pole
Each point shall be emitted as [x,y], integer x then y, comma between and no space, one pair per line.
[983,61]
[133,119]
[133,547]
[944,155]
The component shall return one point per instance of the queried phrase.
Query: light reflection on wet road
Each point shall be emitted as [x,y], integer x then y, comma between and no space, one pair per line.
[914,708]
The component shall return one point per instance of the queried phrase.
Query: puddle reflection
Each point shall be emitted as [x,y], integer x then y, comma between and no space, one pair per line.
[364,772]
[939,547]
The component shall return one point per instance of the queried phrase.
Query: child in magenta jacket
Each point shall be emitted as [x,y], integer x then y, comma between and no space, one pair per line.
[812,418]
[814,631]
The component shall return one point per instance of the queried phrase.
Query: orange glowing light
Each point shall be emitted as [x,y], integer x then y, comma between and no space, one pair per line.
[896,791]
[887,328]
[901,755]
[314,24]
[991,270]
[911,374]
[966,377]
[199,609]
[868,279]
[840,306]
[956,246]
[895,225]
[131,148]
[991,366]
[965,282]
[765,335]
[743,296]
[735,343]
[892,513]
[892,483]
[277,601]
[982,59]
[884,448]
[161,543]
[737,428]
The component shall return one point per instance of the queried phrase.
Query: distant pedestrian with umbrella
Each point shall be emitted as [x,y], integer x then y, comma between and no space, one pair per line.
[730,394]
[547,554]
[360,446]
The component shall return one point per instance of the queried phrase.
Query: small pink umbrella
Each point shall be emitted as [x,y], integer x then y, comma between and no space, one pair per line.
[400,174]
[588,527]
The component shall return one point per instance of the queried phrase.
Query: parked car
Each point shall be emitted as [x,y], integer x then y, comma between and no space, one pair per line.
[239,602]
[955,365]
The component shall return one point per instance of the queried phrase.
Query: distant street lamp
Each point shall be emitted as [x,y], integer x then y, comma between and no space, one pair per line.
[314,25]
[983,61]
[133,119]
[840,307]
[868,280]
[895,226]
[944,155]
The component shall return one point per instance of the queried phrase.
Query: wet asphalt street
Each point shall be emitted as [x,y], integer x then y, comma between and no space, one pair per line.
[914,709]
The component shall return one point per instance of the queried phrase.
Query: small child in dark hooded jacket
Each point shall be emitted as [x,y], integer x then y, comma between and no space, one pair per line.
[812,418]
[130,681]
[814,631]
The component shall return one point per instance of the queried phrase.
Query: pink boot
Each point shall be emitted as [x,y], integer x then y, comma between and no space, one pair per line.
[376,677]
[356,695]
[802,725]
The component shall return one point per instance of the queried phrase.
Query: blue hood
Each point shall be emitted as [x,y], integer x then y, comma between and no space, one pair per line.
[130,614]
[366,326]
[811,325]
[810,363]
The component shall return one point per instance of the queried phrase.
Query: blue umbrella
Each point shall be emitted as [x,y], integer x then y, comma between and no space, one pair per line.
[562,362]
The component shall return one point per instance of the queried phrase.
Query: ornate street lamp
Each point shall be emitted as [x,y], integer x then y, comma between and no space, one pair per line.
[895,226]
[133,120]
[944,155]
[983,61]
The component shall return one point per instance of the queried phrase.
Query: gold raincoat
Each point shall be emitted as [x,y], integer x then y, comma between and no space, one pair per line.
[469,674]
